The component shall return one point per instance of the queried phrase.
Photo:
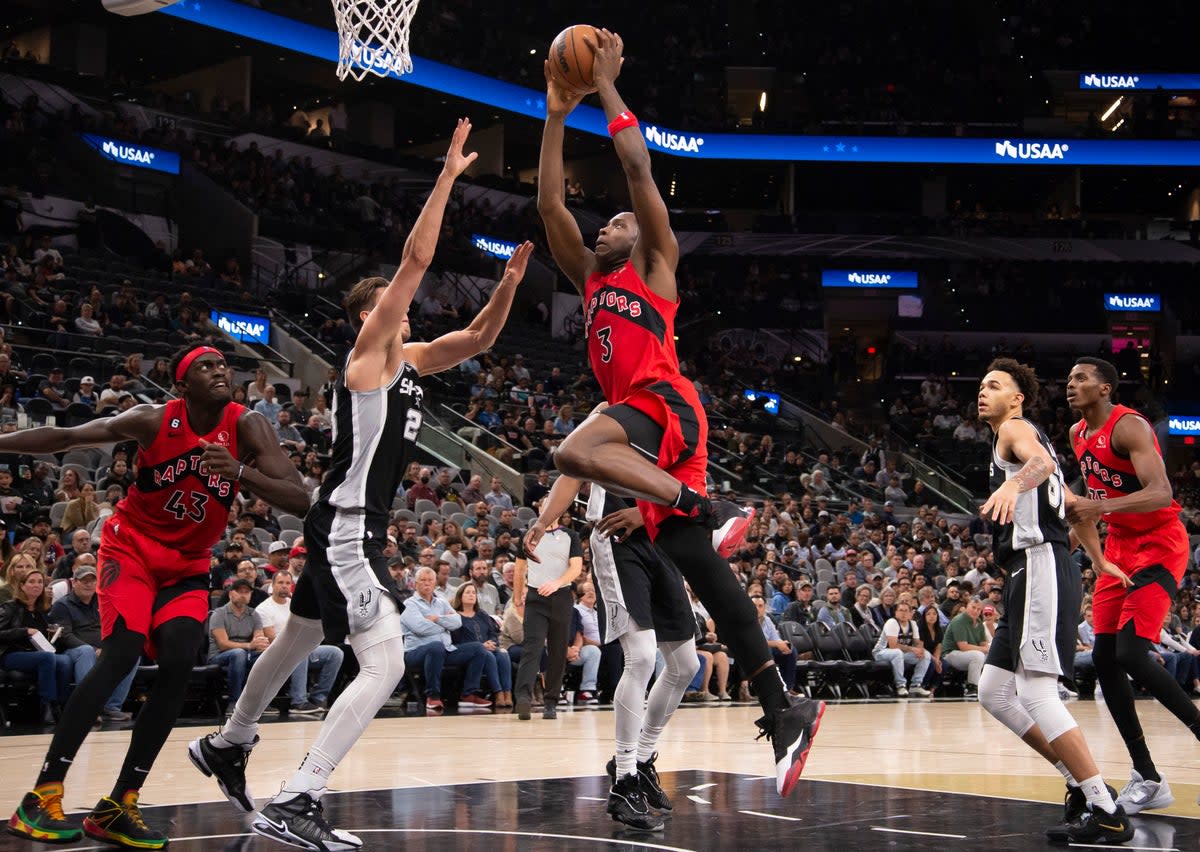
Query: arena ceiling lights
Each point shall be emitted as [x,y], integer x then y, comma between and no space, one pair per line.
[322,43]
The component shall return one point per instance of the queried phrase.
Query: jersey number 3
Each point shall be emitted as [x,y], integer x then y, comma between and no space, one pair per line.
[189,506]
[602,334]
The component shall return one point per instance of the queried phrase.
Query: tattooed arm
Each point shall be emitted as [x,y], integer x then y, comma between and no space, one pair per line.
[1018,441]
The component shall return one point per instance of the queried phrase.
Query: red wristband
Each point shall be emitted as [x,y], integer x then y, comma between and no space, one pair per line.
[623,120]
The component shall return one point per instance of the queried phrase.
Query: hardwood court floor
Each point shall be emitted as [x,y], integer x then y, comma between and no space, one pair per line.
[874,761]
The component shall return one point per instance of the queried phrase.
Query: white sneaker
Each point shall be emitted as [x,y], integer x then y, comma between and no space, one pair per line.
[1142,795]
[919,692]
[902,691]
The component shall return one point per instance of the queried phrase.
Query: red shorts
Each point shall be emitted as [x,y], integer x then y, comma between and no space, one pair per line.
[666,423]
[145,583]
[1155,561]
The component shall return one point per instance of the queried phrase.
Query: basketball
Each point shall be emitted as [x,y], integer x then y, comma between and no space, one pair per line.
[571,58]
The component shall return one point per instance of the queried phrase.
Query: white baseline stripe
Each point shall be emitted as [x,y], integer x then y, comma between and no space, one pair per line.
[699,800]
[615,841]
[772,816]
[592,798]
[700,787]
[1110,846]
[921,833]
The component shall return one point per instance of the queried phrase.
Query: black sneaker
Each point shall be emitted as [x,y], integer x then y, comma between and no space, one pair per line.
[306,708]
[792,732]
[121,823]
[728,522]
[301,822]
[40,817]
[1097,827]
[228,766]
[524,709]
[656,796]
[549,710]
[627,805]
[1075,802]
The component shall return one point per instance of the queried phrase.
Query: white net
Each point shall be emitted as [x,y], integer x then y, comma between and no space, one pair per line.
[373,37]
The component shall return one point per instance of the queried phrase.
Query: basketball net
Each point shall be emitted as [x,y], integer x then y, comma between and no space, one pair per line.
[373,37]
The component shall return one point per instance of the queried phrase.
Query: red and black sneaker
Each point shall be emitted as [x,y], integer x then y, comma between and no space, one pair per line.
[791,732]
[729,523]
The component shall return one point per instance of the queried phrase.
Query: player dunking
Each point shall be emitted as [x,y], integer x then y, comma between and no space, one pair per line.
[1128,487]
[346,589]
[193,453]
[641,602]
[1035,639]
[650,443]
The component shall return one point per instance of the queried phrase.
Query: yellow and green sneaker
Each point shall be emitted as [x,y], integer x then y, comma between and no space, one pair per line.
[40,817]
[121,823]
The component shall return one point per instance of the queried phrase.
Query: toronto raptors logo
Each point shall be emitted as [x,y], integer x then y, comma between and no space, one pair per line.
[109,572]
[1102,442]
[223,438]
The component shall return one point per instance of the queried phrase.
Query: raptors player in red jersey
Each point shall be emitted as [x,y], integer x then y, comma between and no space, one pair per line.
[1128,487]
[650,441]
[193,454]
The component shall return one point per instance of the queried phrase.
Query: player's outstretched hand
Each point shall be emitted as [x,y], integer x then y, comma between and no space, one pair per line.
[532,536]
[999,507]
[514,270]
[218,460]
[456,161]
[607,65]
[620,524]
[1106,567]
[559,99]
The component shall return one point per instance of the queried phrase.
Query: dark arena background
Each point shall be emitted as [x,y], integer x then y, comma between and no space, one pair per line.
[871,201]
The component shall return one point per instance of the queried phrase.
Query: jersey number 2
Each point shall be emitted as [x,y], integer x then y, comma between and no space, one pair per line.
[412,425]
[602,334]
[190,506]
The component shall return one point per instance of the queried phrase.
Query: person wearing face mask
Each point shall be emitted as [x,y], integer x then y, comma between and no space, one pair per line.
[421,490]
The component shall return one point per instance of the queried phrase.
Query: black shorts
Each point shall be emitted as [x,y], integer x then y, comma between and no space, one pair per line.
[1039,627]
[346,575]
[638,587]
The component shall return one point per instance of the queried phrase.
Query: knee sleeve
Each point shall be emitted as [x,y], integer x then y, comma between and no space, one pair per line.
[998,695]
[681,659]
[177,643]
[639,649]
[1038,694]
[380,669]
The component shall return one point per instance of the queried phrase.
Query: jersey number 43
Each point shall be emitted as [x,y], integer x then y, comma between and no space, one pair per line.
[190,505]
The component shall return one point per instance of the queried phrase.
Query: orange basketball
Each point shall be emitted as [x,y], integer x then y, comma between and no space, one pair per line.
[571,59]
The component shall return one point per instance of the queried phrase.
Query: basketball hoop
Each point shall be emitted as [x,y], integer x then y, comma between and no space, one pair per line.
[373,37]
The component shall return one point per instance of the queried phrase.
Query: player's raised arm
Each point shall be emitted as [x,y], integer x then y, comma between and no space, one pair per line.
[379,328]
[453,348]
[562,231]
[656,242]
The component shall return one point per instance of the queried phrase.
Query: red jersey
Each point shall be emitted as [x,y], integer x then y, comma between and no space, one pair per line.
[172,502]
[1110,475]
[630,333]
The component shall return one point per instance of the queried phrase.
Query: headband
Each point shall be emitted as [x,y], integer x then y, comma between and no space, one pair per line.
[186,363]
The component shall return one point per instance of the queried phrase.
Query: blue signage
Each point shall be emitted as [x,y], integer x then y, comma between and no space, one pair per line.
[130,154]
[244,327]
[1145,302]
[771,401]
[903,279]
[322,43]
[1134,82]
[502,249]
[1183,424]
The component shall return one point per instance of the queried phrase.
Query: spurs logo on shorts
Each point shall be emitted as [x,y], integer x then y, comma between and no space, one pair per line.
[109,572]
[364,603]
[1040,646]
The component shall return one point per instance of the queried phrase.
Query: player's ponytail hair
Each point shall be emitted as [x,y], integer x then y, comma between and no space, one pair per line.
[1022,374]
[1105,369]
